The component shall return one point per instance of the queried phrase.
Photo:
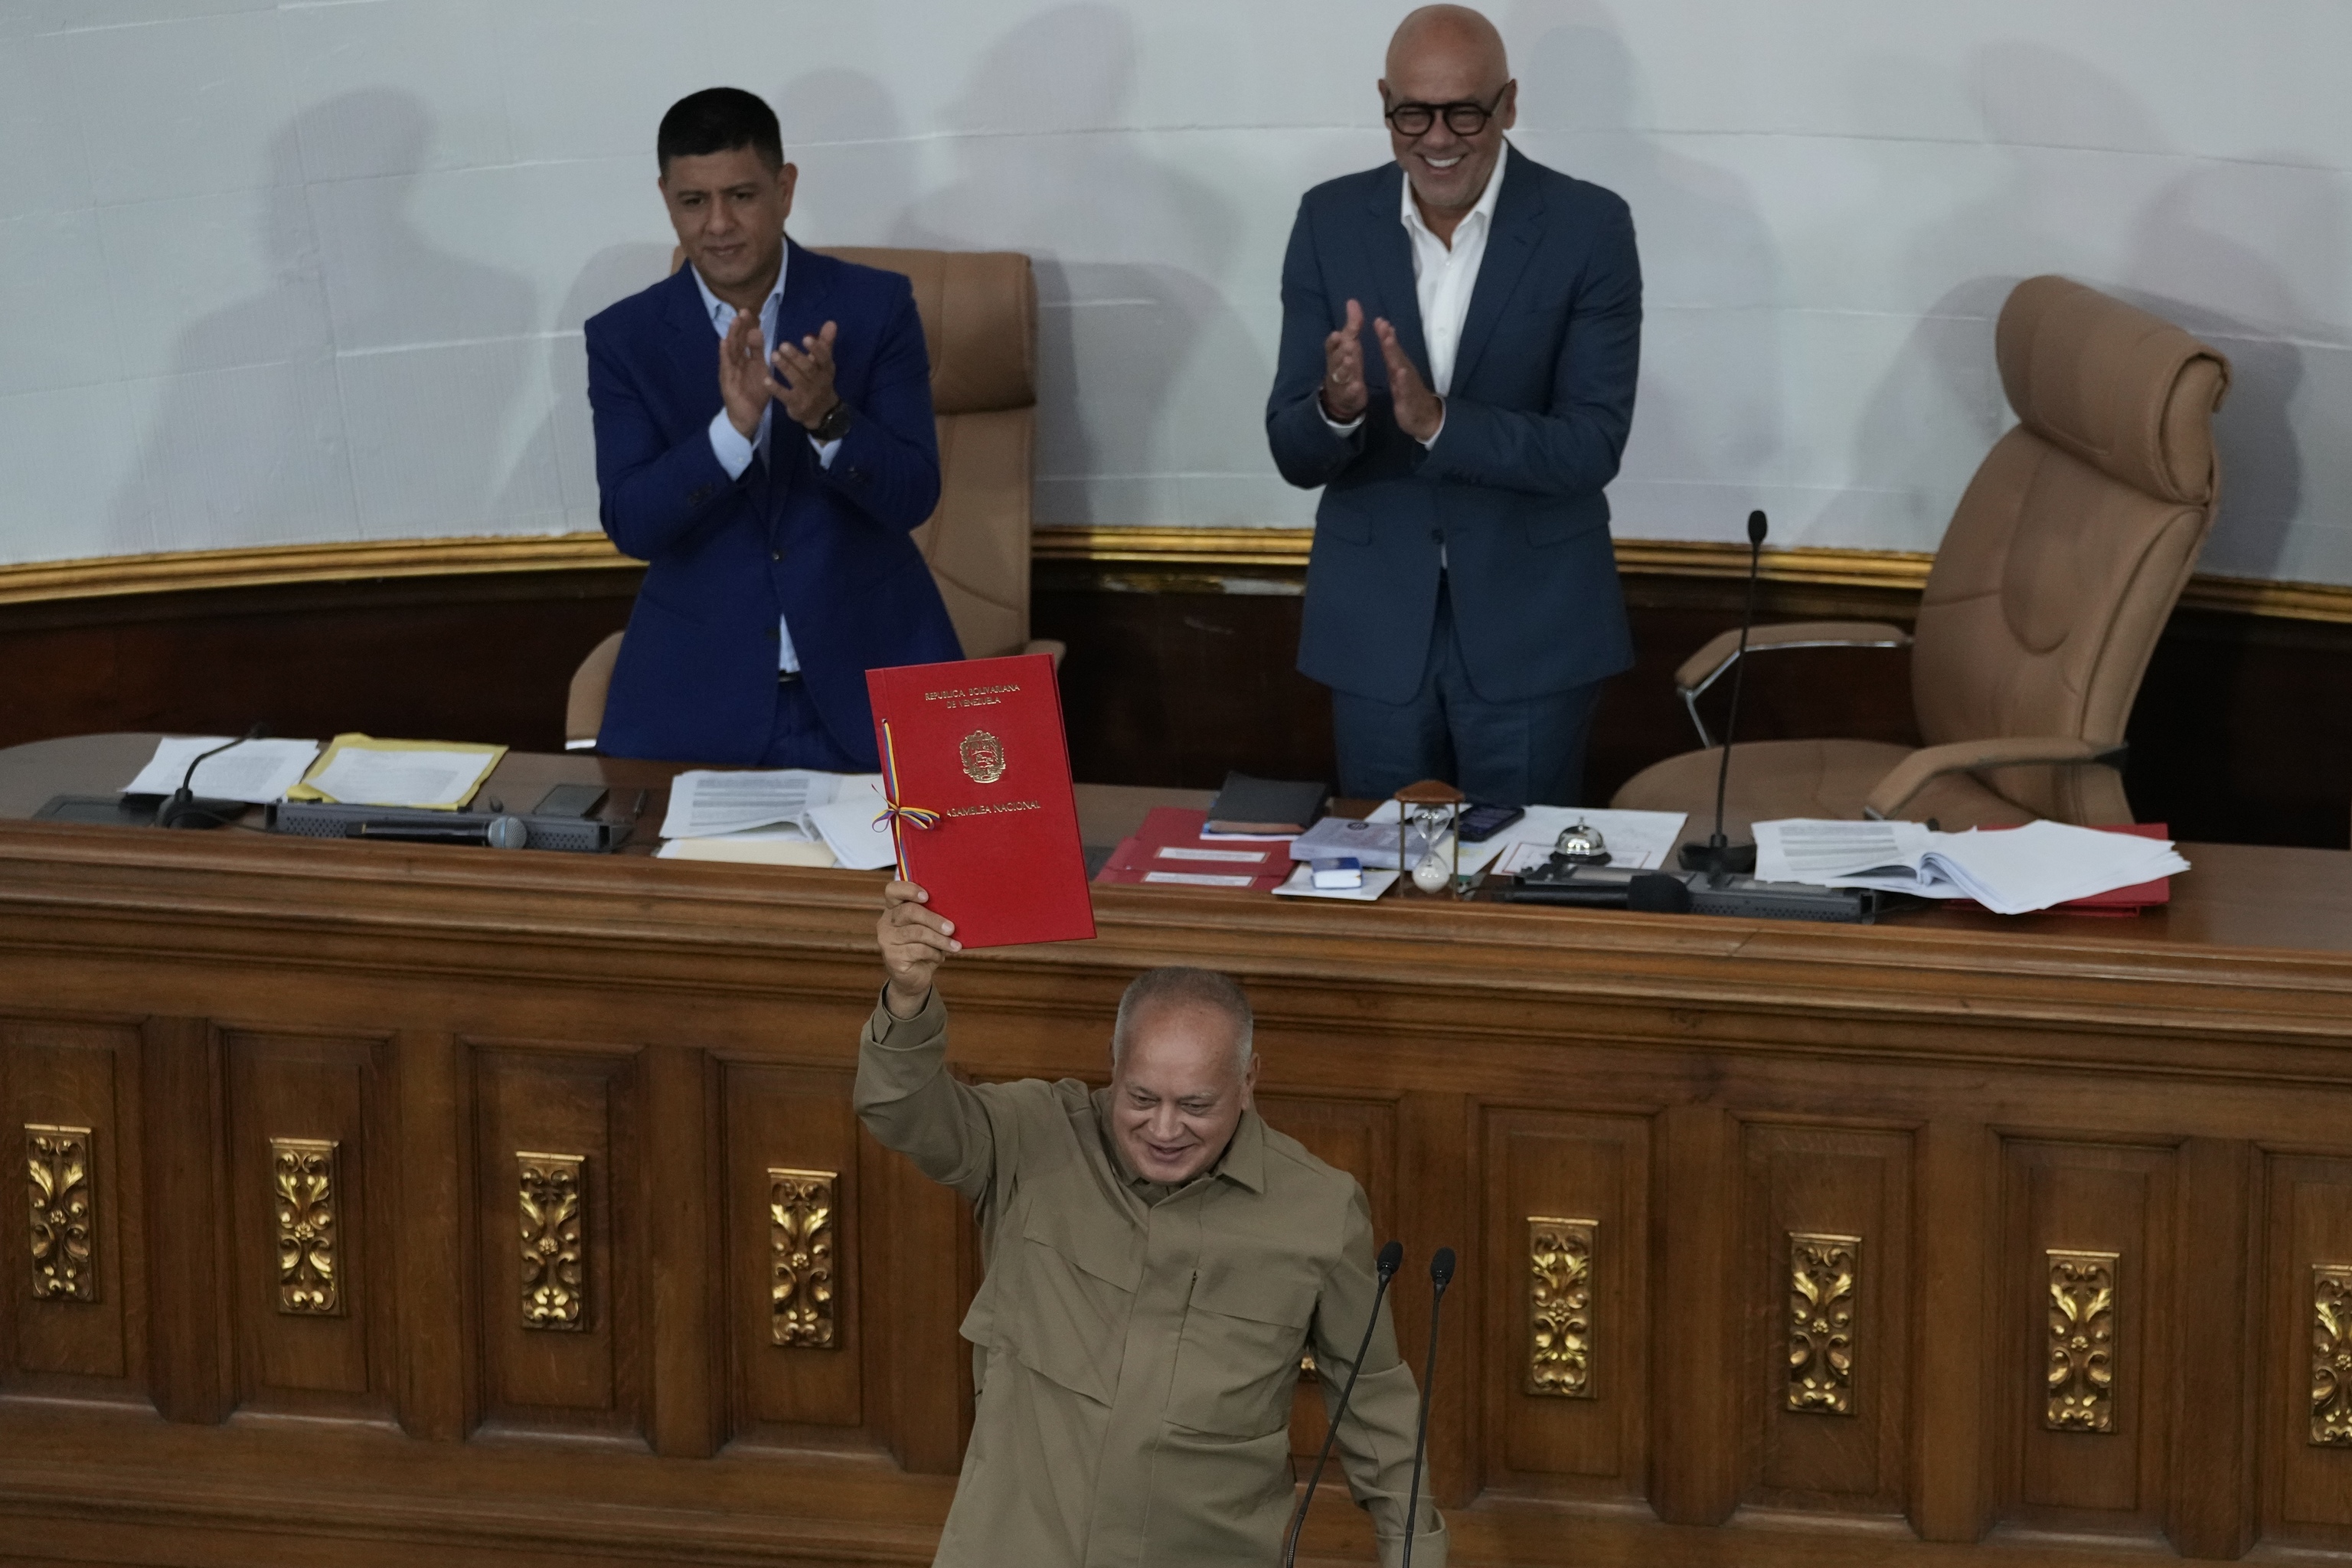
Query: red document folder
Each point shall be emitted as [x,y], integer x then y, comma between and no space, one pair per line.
[1169,851]
[975,764]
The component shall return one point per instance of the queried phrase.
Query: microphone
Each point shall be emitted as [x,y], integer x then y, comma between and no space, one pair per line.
[499,832]
[1441,1275]
[1718,856]
[184,810]
[1391,1259]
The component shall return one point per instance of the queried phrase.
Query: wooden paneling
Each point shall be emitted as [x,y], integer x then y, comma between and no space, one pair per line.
[1557,1165]
[1960,1097]
[1851,1456]
[2085,1198]
[2306,1496]
[798,1119]
[328,1090]
[78,1075]
[591,1378]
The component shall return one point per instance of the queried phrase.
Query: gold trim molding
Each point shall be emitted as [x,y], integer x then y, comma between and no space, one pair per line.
[1825,1280]
[1168,549]
[58,1175]
[308,1192]
[552,1191]
[800,1240]
[1559,1307]
[2082,1344]
[2331,1355]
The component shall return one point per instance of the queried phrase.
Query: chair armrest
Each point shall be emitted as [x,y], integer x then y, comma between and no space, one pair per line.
[1055,647]
[1913,773]
[1699,671]
[1702,668]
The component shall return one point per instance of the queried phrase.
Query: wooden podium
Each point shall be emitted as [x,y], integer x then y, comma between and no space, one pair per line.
[385,1204]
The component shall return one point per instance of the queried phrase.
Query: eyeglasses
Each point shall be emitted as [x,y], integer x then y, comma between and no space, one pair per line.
[1466,118]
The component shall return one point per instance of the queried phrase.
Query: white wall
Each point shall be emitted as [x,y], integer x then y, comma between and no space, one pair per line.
[275,273]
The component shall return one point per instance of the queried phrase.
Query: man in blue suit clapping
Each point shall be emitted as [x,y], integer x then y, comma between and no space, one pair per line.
[1461,600]
[764,442]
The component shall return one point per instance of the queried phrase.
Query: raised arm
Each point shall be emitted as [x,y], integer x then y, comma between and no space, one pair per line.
[905,1094]
[651,492]
[1375,1441]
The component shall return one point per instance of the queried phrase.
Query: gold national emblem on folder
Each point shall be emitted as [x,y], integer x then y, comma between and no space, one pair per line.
[983,757]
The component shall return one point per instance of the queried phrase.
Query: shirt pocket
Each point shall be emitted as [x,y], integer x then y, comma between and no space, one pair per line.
[1075,1290]
[1245,1330]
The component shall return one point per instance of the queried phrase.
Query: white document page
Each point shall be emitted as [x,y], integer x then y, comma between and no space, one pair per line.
[256,772]
[848,824]
[359,775]
[1804,849]
[704,802]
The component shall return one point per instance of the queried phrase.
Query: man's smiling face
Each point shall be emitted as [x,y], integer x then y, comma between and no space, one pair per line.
[1437,62]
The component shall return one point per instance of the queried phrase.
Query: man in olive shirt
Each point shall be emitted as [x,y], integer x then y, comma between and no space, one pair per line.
[1158,1258]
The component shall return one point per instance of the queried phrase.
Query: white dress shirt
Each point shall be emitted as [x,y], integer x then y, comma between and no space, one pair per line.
[1443,278]
[728,444]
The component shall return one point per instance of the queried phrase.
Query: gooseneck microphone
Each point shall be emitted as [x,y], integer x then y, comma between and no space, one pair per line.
[1718,856]
[1441,1275]
[184,810]
[1391,1259]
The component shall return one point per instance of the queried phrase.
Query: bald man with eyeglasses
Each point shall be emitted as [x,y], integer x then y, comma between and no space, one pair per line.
[1461,333]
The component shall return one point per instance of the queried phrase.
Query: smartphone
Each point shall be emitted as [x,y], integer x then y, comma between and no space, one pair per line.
[1481,823]
[570,800]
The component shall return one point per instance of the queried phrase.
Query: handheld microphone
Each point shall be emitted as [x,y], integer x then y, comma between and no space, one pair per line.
[1718,856]
[1441,1275]
[184,810]
[1391,1259]
[499,832]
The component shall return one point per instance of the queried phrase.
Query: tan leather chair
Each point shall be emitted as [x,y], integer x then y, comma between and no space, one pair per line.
[2054,580]
[980,323]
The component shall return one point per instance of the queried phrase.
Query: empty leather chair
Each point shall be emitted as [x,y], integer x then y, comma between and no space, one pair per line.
[2053,580]
[980,324]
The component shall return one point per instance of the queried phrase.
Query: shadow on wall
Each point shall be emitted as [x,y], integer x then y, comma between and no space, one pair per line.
[1149,385]
[2058,120]
[1706,427]
[366,392]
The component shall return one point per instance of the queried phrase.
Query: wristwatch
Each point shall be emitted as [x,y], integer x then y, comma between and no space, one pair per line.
[833,425]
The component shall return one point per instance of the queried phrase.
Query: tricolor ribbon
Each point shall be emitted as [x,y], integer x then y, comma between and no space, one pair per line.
[894,812]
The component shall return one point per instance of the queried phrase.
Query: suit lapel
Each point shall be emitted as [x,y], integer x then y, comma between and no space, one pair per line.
[1518,229]
[808,281]
[1389,251]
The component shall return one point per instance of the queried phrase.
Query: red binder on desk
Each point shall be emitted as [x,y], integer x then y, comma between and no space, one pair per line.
[978,776]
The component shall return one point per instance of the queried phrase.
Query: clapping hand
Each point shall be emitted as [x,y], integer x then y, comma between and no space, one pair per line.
[743,381]
[914,943]
[1343,369]
[1419,413]
[806,387]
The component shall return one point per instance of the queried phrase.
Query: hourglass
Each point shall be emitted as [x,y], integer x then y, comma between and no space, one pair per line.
[1433,810]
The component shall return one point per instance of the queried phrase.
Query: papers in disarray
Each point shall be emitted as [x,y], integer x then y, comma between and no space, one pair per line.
[256,772]
[764,813]
[433,775]
[2012,871]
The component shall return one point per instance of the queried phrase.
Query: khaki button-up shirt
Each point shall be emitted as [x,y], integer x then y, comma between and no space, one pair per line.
[1137,1346]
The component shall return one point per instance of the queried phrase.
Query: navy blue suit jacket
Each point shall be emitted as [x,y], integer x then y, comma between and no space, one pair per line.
[826,546]
[1542,398]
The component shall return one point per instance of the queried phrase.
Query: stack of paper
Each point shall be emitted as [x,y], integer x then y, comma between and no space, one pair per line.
[2011,871]
[427,776]
[788,816]
[258,771]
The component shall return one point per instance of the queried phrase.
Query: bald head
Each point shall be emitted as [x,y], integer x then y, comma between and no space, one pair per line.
[1455,32]
[1449,75]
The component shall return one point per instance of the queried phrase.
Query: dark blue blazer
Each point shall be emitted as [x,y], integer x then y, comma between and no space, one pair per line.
[827,547]
[1542,398]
